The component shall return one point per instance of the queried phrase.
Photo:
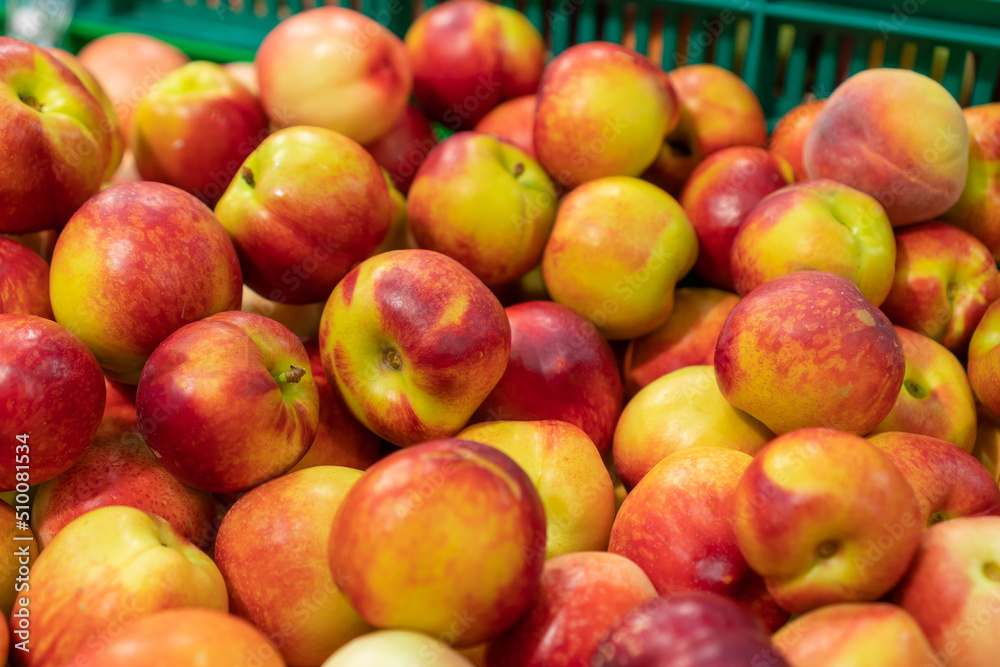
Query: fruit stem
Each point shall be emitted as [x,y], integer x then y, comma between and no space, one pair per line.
[292,375]
[31,102]
[247,175]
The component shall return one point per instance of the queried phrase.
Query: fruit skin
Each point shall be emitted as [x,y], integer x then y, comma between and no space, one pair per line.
[817,225]
[680,410]
[694,628]
[807,349]
[424,506]
[952,588]
[945,280]
[719,195]
[687,338]
[415,343]
[977,210]
[213,406]
[581,596]
[134,264]
[603,110]
[618,247]
[22,552]
[560,367]
[867,138]
[305,207]
[53,396]
[572,481]
[341,440]
[272,551]
[936,397]
[677,525]
[984,359]
[514,122]
[840,635]
[789,136]
[313,62]
[24,281]
[948,482]
[987,449]
[396,648]
[120,562]
[716,110]
[404,147]
[118,469]
[55,156]
[303,320]
[825,517]
[112,127]
[194,128]
[484,203]
[127,65]
[187,636]
[470,55]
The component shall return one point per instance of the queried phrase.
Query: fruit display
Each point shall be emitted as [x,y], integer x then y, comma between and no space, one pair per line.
[454,347]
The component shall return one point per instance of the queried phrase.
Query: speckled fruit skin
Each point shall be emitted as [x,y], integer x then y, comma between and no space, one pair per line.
[272,550]
[977,211]
[570,476]
[183,637]
[470,55]
[136,263]
[404,147]
[677,525]
[484,203]
[118,564]
[341,440]
[194,128]
[951,589]
[720,194]
[306,206]
[716,110]
[580,597]
[818,225]
[789,136]
[945,280]
[687,338]
[936,398]
[118,469]
[617,250]
[984,360]
[514,122]
[949,483]
[851,634]
[694,628]
[680,410]
[603,110]
[336,68]
[53,393]
[807,349]
[561,368]
[867,137]
[211,406]
[440,326]
[451,504]
[825,517]
[24,281]
[113,126]
[55,158]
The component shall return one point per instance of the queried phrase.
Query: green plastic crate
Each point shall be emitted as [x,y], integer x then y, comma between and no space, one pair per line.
[786,50]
